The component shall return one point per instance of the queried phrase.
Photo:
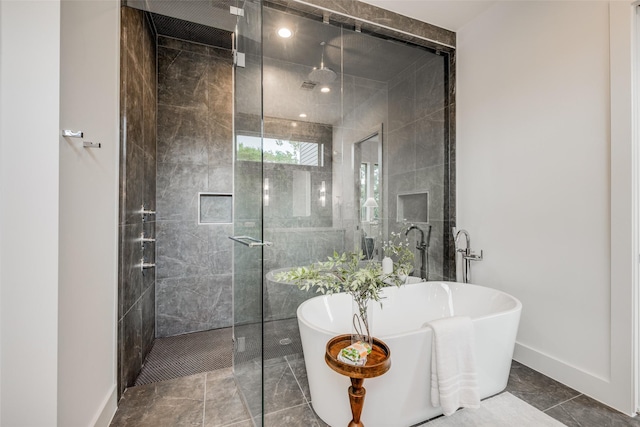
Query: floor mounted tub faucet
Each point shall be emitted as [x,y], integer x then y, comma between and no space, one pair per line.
[467,254]
[422,245]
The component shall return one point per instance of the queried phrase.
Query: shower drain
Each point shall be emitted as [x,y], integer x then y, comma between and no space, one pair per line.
[285,341]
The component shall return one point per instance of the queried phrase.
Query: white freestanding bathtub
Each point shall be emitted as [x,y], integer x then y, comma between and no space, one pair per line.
[401,397]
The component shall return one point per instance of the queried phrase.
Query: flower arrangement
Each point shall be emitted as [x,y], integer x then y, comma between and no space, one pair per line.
[363,280]
[400,252]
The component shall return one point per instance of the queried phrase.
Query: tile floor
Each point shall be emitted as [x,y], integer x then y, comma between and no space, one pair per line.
[566,405]
[212,399]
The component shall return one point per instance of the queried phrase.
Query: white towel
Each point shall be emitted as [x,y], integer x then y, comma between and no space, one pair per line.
[454,381]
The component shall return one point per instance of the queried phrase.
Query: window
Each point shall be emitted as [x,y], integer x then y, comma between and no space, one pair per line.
[271,150]
[369,187]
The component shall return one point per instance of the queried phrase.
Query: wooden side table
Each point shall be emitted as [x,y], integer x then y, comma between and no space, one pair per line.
[378,362]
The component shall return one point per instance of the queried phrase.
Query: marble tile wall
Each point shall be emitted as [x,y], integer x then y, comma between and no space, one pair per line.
[296,240]
[293,247]
[417,152]
[136,291]
[365,109]
[194,154]
[419,113]
[279,213]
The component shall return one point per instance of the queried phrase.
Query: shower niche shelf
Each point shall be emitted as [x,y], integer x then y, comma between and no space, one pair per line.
[413,207]
[215,208]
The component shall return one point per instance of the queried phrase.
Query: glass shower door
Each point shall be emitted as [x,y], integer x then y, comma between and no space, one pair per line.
[247,216]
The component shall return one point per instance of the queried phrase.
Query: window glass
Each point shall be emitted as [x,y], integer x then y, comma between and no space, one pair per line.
[278,151]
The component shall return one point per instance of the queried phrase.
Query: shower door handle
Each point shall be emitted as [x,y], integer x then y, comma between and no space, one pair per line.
[250,241]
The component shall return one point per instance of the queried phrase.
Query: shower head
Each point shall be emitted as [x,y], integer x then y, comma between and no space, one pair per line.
[323,74]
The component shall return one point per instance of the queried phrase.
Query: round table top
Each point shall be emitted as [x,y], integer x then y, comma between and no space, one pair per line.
[378,361]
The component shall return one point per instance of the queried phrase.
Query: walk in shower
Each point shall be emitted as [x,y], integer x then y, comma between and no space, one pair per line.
[264,135]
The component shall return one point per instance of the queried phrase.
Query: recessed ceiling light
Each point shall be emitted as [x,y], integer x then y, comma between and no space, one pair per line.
[285,33]
[303,115]
[294,124]
[325,90]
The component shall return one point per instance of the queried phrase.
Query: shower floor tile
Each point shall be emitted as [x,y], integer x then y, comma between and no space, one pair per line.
[189,354]
[199,352]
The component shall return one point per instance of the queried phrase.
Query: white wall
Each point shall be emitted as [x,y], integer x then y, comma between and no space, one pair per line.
[536,162]
[57,296]
[89,101]
[29,115]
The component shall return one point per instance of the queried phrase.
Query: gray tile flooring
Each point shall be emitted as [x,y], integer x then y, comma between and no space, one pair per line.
[212,399]
[566,405]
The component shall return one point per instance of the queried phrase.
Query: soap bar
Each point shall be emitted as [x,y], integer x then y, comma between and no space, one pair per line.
[355,354]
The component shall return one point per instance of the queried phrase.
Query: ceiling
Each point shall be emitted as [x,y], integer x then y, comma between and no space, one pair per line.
[206,12]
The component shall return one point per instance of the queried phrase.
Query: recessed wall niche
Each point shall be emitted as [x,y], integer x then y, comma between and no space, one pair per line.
[215,208]
[413,207]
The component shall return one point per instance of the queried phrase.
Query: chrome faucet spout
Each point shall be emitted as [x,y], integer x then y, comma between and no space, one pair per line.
[467,240]
[415,227]
[467,255]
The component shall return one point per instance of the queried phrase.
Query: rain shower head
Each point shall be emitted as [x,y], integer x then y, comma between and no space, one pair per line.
[323,74]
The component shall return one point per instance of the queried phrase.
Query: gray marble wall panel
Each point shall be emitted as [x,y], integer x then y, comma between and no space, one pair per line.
[130,351]
[182,135]
[178,188]
[430,133]
[148,315]
[417,148]
[430,85]
[416,98]
[402,99]
[131,279]
[248,296]
[248,195]
[215,208]
[136,312]
[366,108]
[287,249]
[195,154]
[413,109]
[182,249]
[249,176]
[191,304]
[294,247]
[402,149]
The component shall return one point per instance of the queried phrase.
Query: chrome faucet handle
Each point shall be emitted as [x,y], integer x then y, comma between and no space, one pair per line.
[473,257]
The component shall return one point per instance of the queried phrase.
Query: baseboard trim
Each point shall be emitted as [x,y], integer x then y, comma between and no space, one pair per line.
[592,385]
[109,406]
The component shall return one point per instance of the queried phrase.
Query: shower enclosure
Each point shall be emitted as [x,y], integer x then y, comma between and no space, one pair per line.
[291,131]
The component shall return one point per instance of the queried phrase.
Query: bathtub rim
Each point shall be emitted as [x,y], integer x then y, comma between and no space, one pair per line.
[517,308]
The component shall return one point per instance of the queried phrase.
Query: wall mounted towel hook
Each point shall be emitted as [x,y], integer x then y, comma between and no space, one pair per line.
[68,133]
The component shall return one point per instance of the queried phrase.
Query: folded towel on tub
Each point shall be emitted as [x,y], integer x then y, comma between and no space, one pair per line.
[454,381]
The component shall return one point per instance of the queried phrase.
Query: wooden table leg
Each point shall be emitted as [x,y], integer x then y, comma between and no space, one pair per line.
[356,398]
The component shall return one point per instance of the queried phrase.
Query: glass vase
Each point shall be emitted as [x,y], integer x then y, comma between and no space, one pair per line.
[362,321]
